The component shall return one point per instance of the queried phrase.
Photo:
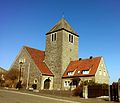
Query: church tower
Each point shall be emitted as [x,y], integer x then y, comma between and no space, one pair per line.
[61,48]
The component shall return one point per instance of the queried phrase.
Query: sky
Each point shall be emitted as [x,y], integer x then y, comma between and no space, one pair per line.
[97,22]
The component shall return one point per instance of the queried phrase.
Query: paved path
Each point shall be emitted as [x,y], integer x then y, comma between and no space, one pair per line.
[7,96]
[18,97]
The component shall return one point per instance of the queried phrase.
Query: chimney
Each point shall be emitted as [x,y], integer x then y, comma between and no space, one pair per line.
[91,57]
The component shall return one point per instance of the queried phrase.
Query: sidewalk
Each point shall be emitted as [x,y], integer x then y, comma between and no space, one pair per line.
[71,98]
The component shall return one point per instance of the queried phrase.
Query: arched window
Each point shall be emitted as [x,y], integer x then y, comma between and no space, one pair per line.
[35,81]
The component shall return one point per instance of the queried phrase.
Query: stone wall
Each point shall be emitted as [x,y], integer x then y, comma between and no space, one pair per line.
[102,75]
[28,65]
[69,50]
[58,55]
[53,58]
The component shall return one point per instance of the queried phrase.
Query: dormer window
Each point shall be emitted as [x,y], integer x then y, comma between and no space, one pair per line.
[70,73]
[85,72]
[54,37]
[71,38]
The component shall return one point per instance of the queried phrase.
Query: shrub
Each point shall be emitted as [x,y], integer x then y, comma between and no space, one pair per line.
[78,91]
[8,83]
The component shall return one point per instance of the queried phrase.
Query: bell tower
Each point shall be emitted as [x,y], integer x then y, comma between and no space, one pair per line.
[61,48]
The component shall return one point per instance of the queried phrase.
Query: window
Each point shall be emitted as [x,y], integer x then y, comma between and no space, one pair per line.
[22,60]
[70,73]
[54,37]
[66,83]
[85,71]
[70,38]
[35,81]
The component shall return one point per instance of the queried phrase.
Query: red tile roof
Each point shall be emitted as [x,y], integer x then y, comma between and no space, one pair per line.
[38,57]
[81,65]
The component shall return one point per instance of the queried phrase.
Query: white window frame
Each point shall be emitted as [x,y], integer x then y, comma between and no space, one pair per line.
[71,38]
[66,83]
[35,80]
[70,73]
[54,37]
[85,72]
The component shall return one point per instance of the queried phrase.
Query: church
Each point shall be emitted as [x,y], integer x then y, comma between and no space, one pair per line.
[54,68]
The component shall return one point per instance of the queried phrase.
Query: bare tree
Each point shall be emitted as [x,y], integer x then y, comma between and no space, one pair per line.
[12,75]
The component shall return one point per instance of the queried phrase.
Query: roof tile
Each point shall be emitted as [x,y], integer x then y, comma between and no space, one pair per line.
[81,65]
[38,57]
[62,24]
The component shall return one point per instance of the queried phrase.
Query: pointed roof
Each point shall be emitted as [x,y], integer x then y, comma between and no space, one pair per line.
[38,57]
[78,66]
[2,70]
[62,25]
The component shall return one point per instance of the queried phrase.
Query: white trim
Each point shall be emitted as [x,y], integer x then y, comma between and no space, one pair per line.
[28,76]
[35,81]
[67,83]
[52,34]
[73,38]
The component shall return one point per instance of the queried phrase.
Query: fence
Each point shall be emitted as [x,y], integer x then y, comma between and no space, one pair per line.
[97,91]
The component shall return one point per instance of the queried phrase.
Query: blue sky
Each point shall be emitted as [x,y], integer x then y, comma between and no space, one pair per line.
[25,22]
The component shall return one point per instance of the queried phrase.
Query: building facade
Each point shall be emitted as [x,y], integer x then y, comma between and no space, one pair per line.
[61,48]
[50,69]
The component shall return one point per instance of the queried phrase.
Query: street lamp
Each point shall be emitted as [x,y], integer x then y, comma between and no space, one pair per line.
[21,62]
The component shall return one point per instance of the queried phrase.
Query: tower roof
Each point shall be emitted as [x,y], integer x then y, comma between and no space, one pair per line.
[62,25]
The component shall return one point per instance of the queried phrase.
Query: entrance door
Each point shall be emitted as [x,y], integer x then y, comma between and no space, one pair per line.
[47,84]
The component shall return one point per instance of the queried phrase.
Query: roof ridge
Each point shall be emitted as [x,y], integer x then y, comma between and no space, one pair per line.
[33,48]
[88,58]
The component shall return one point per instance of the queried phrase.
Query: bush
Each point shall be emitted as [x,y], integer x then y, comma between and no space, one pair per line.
[8,83]
[78,91]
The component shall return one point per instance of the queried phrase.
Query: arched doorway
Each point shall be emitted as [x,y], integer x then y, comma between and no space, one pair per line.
[47,84]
